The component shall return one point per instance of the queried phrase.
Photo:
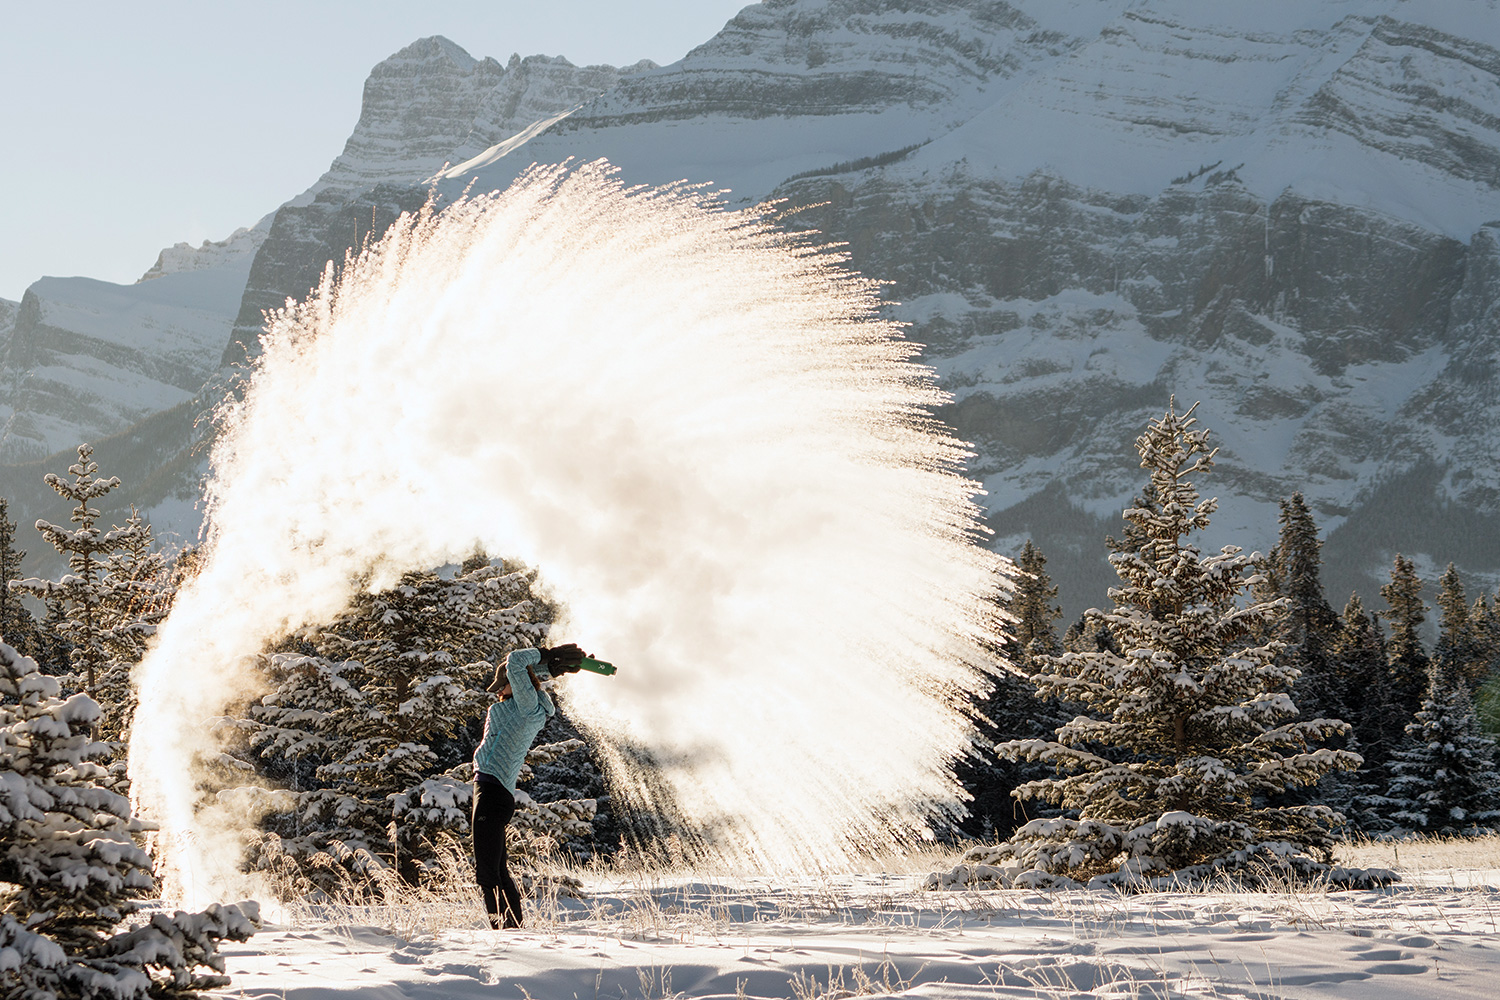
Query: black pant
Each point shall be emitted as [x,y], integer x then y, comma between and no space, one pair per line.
[494,805]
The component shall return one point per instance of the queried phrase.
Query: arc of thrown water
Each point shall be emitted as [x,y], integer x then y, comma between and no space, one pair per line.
[699,428]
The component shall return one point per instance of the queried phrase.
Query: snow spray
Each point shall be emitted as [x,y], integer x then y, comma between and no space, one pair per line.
[721,459]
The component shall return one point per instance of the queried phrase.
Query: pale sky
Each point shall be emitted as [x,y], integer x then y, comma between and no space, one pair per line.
[127,127]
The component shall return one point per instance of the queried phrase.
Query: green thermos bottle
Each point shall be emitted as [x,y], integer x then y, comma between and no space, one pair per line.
[597,666]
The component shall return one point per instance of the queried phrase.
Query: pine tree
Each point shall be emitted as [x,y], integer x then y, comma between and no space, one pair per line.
[1445,779]
[1186,733]
[372,721]
[1486,618]
[1459,647]
[1306,626]
[17,627]
[1010,710]
[1307,630]
[104,609]
[80,594]
[1406,612]
[70,870]
[1035,609]
[135,596]
[1358,658]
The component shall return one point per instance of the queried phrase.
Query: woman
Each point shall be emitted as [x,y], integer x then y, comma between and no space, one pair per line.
[509,729]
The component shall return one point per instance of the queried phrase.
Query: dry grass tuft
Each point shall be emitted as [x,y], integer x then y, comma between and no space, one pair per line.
[1428,854]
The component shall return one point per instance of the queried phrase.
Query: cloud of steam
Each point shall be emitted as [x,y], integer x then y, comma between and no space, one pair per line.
[697,428]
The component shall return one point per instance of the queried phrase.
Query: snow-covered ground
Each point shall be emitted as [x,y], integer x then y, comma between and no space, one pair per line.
[651,936]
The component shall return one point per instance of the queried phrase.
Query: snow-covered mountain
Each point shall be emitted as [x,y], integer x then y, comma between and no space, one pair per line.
[1280,209]
[1290,210]
[86,359]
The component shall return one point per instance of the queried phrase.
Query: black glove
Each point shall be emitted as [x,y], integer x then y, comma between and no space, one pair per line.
[563,659]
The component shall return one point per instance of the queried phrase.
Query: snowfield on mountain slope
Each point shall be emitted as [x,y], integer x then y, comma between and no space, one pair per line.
[1334,100]
[1331,101]
[1097,340]
[648,936]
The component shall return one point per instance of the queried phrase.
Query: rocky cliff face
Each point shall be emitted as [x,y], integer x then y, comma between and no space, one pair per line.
[433,104]
[1335,353]
[791,86]
[1289,210]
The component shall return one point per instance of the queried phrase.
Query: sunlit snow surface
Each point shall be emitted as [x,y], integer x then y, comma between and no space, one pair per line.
[719,458]
[656,936]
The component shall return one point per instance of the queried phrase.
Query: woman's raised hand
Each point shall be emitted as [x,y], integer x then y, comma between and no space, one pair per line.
[563,659]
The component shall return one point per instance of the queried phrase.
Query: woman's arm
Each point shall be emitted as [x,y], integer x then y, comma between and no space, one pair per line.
[521,690]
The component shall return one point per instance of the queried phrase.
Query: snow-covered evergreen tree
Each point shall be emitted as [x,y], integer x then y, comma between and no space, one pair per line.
[1186,732]
[105,600]
[79,594]
[1445,779]
[373,719]
[71,871]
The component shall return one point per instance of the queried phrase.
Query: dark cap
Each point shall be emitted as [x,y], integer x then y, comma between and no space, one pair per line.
[501,680]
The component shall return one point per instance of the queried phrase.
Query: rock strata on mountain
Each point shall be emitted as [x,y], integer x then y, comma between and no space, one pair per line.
[843,57]
[1333,352]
